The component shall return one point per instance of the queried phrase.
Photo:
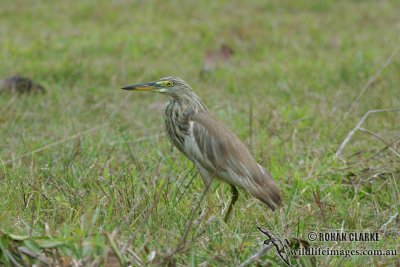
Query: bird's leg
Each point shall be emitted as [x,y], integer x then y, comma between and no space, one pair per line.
[205,175]
[234,198]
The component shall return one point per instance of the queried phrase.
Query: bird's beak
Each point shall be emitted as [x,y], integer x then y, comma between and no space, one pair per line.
[151,86]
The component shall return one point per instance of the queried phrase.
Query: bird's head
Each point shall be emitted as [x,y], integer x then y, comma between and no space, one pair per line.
[173,87]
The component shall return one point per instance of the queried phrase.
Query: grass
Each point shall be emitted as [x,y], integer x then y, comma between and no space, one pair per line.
[89,178]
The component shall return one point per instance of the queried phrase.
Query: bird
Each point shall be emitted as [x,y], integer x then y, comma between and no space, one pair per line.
[214,149]
[20,84]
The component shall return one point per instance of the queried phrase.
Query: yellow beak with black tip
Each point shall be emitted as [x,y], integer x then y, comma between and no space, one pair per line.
[151,86]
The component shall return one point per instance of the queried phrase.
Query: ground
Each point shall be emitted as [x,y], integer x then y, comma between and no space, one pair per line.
[87,175]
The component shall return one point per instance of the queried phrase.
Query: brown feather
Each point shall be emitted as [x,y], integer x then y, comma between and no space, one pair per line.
[224,154]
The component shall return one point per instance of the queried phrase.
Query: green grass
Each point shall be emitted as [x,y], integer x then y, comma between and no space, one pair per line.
[112,186]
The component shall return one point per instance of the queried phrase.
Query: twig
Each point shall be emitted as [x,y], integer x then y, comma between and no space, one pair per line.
[135,257]
[380,139]
[258,255]
[383,149]
[371,80]
[147,138]
[73,137]
[272,241]
[358,126]
[55,143]
[391,219]
[371,157]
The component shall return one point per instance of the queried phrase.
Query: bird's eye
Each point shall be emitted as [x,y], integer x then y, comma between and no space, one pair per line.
[169,83]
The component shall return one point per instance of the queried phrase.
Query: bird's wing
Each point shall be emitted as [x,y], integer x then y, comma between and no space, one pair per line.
[212,145]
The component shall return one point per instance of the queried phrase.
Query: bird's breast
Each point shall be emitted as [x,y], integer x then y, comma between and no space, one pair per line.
[176,124]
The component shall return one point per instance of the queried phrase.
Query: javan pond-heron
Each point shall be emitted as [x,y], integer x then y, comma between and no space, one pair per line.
[210,145]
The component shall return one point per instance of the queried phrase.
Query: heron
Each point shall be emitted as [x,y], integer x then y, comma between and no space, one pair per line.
[214,149]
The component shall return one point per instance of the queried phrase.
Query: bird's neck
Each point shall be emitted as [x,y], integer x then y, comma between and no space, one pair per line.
[189,103]
[178,114]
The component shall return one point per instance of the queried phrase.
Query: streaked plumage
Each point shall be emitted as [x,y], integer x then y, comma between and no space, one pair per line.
[210,145]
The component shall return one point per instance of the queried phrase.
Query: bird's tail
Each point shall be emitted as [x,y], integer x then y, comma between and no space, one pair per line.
[266,190]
